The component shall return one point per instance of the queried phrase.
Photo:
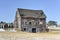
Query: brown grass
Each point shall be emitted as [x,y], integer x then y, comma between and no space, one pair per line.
[28,36]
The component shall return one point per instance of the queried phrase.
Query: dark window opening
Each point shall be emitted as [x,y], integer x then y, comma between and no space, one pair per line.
[26,23]
[34,30]
[24,29]
[30,23]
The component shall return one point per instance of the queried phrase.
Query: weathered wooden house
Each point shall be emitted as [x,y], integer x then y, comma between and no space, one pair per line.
[30,20]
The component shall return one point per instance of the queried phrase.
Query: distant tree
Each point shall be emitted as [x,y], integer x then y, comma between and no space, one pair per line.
[6,26]
[52,23]
[1,22]
[11,25]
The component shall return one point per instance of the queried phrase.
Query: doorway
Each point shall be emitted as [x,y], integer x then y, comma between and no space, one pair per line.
[34,30]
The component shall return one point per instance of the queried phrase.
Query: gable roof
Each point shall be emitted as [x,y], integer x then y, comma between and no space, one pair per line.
[31,13]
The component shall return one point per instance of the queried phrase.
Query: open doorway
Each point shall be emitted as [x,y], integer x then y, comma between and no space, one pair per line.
[34,30]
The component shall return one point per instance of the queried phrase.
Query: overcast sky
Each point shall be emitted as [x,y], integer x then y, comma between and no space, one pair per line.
[50,7]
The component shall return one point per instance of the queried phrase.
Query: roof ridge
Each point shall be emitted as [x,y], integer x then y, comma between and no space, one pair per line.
[29,9]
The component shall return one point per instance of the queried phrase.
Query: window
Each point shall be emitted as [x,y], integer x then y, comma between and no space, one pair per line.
[34,30]
[30,23]
[25,22]
[24,29]
[40,23]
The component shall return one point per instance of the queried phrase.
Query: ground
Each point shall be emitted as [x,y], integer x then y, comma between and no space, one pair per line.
[29,36]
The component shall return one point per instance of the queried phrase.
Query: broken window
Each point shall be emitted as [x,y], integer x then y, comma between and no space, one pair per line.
[24,29]
[25,22]
[30,23]
[40,23]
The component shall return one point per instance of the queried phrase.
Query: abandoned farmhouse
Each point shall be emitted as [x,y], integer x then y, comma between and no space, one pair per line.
[30,20]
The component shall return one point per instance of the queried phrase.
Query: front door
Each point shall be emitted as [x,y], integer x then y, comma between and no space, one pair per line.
[34,30]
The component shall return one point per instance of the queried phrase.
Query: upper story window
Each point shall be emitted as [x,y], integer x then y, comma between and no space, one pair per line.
[30,23]
[40,23]
[24,21]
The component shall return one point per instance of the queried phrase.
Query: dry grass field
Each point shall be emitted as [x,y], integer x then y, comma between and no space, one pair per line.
[29,36]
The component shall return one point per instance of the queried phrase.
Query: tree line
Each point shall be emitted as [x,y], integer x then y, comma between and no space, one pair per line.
[50,23]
